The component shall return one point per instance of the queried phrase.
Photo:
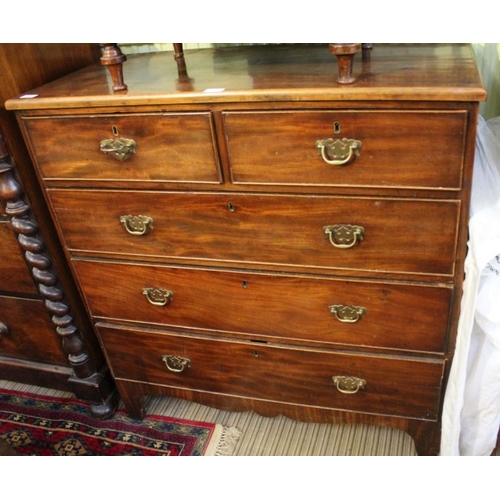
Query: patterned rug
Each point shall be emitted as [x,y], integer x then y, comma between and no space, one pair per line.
[47,426]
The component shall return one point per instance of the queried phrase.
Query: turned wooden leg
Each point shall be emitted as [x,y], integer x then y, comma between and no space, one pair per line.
[106,409]
[345,53]
[113,58]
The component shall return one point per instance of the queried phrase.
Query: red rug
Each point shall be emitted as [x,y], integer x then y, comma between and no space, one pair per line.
[47,426]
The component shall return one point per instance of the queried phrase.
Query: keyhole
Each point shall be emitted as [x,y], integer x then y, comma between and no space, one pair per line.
[230,207]
[244,284]
[114,129]
[336,127]
[256,354]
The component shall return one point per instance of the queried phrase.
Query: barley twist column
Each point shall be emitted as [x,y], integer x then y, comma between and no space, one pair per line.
[39,262]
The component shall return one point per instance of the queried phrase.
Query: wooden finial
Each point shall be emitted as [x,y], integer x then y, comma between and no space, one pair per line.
[113,58]
[345,53]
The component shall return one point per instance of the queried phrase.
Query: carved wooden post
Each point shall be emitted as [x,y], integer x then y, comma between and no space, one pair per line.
[39,262]
[113,58]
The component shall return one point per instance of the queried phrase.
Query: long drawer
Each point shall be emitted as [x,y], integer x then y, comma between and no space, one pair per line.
[167,147]
[314,310]
[382,385]
[29,333]
[324,232]
[403,149]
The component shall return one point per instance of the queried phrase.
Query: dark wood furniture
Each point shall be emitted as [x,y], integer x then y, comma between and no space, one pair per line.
[46,338]
[257,236]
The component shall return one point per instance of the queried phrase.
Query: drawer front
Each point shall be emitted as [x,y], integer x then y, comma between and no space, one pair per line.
[399,149]
[168,147]
[14,273]
[394,386]
[318,310]
[29,332]
[404,236]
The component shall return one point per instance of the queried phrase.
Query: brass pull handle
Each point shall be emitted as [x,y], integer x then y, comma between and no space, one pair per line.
[137,225]
[348,385]
[158,296]
[121,148]
[348,314]
[344,235]
[338,152]
[176,364]
[4,330]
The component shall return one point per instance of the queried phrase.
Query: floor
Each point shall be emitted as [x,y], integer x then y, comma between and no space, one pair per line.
[276,436]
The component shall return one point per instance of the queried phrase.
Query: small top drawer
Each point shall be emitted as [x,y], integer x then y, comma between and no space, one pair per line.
[389,149]
[177,147]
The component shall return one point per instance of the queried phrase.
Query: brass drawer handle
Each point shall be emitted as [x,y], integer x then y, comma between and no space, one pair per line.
[348,385]
[121,148]
[4,330]
[338,152]
[137,225]
[347,314]
[176,364]
[344,235]
[158,296]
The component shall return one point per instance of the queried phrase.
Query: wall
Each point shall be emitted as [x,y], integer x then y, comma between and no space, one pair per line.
[488,62]
[487,57]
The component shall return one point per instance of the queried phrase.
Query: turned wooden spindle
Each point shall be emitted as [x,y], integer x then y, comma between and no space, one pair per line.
[345,53]
[39,261]
[183,83]
[178,50]
[179,59]
[113,58]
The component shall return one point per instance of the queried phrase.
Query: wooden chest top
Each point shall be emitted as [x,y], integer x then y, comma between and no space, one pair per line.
[410,72]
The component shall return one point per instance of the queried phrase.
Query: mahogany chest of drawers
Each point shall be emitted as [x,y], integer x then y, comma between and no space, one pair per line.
[252,235]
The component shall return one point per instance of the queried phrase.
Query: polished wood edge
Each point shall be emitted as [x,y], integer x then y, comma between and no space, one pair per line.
[255,96]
